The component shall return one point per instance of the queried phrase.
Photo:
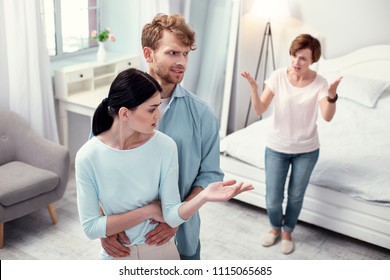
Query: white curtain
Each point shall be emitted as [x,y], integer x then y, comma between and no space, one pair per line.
[26,84]
[148,9]
[205,75]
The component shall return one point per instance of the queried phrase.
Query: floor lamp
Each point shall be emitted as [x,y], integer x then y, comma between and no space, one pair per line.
[267,40]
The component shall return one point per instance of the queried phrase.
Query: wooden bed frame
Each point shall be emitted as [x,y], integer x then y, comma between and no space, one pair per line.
[324,207]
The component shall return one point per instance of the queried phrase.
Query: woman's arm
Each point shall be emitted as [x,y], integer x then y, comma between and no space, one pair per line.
[194,192]
[120,222]
[260,103]
[328,109]
[214,192]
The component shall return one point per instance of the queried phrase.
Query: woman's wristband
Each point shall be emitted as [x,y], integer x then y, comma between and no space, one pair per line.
[332,100]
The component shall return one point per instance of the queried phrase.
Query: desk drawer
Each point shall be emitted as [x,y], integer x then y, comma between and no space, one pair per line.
[128,63]
[79,75]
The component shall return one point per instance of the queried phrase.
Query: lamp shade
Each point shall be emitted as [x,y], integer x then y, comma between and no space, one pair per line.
[270,9]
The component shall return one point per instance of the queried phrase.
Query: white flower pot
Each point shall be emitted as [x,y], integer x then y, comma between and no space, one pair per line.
[101,53]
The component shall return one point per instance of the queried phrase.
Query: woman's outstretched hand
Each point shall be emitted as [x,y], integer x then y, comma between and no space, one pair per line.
[251,80]
[214,192]
[223,191]
[333,87]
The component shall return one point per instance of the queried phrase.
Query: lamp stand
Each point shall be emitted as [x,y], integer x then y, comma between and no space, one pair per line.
[267,39]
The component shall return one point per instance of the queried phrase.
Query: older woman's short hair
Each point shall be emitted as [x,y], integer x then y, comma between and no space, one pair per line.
[306,41]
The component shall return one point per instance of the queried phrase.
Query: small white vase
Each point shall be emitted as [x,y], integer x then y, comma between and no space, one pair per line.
[101,53]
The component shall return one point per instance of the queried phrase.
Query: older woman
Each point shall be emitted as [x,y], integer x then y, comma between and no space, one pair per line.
[297,93]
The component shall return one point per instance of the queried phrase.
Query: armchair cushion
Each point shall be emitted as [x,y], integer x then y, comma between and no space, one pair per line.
[21,181]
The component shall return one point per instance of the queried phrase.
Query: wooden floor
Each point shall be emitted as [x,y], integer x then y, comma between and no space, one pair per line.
[229,231]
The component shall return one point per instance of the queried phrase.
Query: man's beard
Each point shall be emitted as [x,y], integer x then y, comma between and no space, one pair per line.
[168,77]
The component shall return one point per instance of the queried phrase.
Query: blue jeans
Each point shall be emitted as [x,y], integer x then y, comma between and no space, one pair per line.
[276,171]
[194,257]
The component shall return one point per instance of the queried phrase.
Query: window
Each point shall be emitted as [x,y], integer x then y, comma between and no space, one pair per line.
[69,24]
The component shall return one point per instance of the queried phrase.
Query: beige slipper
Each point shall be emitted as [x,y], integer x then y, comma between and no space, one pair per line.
[269,239]
[287,246]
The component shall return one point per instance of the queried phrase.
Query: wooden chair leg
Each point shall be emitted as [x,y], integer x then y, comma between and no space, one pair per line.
[52,212]
[1,236]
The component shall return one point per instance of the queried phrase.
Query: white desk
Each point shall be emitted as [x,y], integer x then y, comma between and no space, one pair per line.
[83,104]
[81,88]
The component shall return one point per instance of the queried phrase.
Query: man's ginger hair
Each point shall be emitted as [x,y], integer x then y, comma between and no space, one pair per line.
[175,23]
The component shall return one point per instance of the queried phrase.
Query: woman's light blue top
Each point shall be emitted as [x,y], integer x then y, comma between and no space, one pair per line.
[123,180]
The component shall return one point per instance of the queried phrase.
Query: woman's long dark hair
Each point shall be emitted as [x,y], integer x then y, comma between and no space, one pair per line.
[130,88]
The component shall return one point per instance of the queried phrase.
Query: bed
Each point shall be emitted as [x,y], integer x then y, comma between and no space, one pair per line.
[349,191]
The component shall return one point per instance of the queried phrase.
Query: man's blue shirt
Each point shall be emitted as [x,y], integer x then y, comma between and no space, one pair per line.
[189,121]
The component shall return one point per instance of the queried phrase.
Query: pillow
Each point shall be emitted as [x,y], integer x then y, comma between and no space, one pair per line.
[359,89]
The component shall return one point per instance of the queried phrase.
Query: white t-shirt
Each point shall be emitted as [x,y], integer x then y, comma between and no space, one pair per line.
[293,128]
[164,104]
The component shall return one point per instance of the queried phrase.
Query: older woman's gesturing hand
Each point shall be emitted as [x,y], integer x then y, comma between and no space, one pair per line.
[333,87]
[223,191]
[251,80]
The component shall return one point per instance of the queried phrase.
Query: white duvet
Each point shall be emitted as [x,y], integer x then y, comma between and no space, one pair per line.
[354,153]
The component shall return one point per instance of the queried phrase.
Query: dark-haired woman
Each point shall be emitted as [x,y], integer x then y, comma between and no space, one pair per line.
[297,93]
[130,170]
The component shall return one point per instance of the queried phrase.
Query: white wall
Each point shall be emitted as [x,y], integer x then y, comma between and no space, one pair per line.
[347,24]
[123,17]
[342,26]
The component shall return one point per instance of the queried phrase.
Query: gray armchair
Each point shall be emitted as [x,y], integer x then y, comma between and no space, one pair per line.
[34,171]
